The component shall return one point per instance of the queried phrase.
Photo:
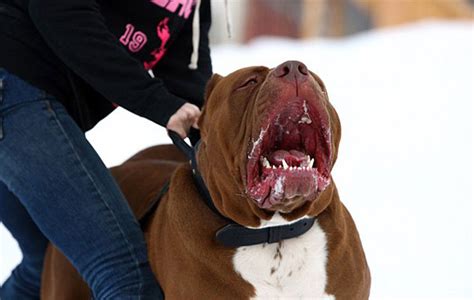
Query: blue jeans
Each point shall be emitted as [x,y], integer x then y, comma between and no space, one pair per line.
[53,186]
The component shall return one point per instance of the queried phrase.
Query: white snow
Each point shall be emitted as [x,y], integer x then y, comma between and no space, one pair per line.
[404,97]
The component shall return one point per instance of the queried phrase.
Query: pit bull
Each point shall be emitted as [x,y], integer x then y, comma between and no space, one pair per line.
[269,140]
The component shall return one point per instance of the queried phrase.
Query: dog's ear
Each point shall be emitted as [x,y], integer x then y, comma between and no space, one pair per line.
[211,84]
[320,82]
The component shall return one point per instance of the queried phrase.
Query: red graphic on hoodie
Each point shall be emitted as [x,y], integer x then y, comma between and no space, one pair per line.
[163,33]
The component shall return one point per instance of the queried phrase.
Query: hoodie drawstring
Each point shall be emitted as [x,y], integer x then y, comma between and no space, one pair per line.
[196,32]
[193,64]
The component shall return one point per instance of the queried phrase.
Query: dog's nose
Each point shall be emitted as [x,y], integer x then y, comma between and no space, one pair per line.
[291,70]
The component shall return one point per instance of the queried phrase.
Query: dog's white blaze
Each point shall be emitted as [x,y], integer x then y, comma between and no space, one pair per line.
[294,269]
[276,220]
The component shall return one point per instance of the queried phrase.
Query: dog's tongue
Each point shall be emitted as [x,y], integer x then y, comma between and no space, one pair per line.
[292,157]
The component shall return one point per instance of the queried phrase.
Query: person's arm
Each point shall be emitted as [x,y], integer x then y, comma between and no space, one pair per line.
[76,31]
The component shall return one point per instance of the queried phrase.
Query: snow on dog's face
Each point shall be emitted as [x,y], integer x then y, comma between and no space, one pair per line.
[270,139]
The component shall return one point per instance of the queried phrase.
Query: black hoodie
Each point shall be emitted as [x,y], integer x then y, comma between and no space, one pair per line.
[93,55]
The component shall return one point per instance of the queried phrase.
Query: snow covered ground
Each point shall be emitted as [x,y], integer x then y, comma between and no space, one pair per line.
[404,97]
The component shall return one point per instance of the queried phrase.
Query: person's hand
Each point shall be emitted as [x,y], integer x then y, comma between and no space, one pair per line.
[182,120]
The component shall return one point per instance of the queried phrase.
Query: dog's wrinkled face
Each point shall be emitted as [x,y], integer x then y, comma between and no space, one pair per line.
[270,136]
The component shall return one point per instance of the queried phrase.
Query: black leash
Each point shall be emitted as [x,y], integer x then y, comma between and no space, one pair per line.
[190,153]
[233,234]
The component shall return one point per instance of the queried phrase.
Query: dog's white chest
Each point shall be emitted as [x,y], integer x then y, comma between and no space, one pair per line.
[294,268]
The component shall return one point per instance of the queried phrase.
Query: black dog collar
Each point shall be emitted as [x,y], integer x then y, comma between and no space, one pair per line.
[233,234]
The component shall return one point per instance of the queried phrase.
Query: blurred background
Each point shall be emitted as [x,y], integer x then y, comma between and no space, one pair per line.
[400,73]
[306,19]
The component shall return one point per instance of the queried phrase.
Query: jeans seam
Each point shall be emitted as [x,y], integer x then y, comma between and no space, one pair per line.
[2,88]
[84,169]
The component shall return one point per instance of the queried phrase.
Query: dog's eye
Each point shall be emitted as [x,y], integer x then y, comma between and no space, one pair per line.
[249,82]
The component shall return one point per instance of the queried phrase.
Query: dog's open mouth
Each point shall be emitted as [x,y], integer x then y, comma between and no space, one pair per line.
[290,159]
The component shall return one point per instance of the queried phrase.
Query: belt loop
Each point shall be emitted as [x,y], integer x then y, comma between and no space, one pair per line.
[274,234]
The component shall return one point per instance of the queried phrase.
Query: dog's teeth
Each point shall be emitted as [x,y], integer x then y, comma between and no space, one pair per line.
[285,165]
[305,120]
[311,162]
[265,162]
[273,167]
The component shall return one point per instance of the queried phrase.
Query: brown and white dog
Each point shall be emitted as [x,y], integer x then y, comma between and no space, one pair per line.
[269,140]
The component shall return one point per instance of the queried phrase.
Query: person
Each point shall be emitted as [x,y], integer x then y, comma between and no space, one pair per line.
[65,65]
